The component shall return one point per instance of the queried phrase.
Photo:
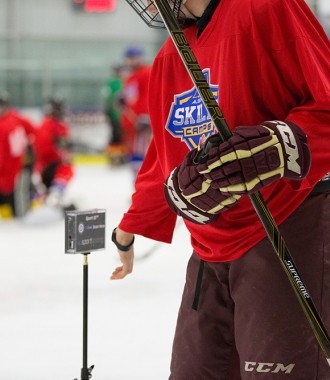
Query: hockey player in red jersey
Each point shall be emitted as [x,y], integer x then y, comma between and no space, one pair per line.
[135,114]
[267,64]
[53,168]
[16,154]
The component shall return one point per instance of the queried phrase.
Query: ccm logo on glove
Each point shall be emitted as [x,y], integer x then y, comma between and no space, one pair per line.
[213,178]
[291,147]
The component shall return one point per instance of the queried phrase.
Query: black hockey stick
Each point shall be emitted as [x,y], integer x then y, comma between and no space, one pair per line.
[259,204]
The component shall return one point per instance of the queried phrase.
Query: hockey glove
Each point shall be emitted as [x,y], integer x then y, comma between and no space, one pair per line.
[189,193]
[257,156]
[212,179]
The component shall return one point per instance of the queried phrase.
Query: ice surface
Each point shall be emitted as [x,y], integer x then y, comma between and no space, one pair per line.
[131,322]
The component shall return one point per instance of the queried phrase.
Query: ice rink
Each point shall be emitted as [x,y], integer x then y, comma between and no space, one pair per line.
[131,322]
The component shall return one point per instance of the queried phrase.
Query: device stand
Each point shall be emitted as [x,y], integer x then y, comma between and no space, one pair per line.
[86,373]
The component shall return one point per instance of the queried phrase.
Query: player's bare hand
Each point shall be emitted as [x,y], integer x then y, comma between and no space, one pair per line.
[124,242]
[127,260]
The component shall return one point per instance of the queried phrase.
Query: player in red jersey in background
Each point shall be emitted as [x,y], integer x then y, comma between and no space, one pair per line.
[17,135]
[134,106]
[267,64]
[53,168]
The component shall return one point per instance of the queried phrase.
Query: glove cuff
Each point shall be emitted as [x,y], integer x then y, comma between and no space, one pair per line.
[296,151]
[180,206]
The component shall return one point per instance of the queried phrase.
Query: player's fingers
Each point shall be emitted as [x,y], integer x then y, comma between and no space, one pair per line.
[118,273]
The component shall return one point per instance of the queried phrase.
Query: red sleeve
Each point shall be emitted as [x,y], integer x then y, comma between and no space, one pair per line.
[300,50]
[28,126]
[62,130]
[149,214]
[313,116]
[12,150]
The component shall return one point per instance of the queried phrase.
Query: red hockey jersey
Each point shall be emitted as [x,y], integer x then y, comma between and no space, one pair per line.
[135,94]
[264,60]
[14,134]
[46,144]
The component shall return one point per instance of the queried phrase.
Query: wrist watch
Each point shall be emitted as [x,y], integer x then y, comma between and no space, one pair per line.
[123,248]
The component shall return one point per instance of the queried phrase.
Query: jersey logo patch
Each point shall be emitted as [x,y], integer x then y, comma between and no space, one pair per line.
[189,119]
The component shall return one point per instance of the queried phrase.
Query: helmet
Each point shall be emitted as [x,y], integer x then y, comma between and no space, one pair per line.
[54,107]
[134,51]
[148,11]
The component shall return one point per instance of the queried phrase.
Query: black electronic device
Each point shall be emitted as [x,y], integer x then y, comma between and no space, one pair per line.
[84,231]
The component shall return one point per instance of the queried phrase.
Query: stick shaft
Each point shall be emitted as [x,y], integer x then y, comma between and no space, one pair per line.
[259,204]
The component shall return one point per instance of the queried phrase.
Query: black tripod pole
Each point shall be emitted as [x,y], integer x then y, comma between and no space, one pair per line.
[86,373]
